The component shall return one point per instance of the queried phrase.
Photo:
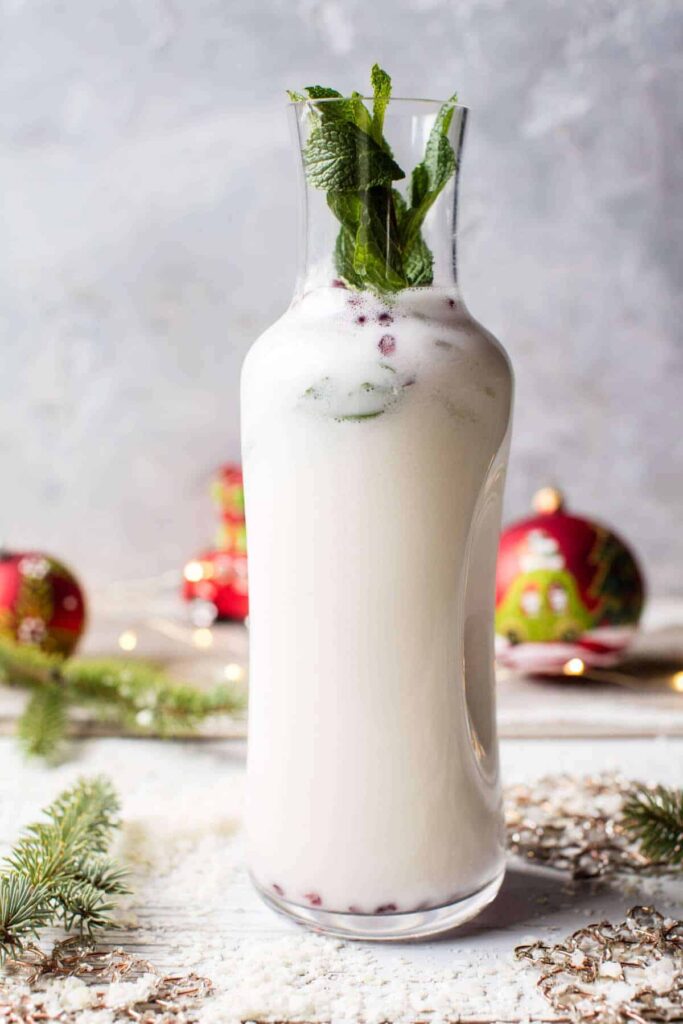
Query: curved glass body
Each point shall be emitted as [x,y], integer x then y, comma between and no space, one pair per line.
[375,433]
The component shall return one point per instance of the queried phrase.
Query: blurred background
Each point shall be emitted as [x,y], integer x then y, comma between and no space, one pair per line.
[148,237]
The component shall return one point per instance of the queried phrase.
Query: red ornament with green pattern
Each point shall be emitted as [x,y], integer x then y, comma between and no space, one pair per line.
[566,587]
[41,602]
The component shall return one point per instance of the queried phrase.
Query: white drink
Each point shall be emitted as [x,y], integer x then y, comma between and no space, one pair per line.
[375,437]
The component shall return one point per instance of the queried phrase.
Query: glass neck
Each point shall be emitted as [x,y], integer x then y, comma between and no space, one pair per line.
[400,257]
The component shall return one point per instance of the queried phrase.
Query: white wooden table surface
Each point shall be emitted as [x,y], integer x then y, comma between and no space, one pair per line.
[193,907]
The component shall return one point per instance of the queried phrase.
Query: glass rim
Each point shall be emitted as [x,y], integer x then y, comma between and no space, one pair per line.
[368,99]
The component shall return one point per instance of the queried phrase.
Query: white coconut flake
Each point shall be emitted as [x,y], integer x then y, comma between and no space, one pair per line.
[122,994]
[610,969]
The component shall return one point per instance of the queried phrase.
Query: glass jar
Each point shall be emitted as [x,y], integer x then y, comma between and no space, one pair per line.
[375,430]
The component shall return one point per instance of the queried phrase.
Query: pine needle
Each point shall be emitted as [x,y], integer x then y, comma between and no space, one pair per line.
[655,817]
[59,870]
[133,694]
[24,909]
[42,726]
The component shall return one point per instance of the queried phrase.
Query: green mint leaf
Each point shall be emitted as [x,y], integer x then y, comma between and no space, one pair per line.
[381,88]
[379,244]
[439,161]
[321,92]
[359,114]
[367,251]
[296,97]
[418,263]
[346,207]
[344,252]
[349,108]
[340,157]
[419,185]
[378,259]
[431,175]
[342,109]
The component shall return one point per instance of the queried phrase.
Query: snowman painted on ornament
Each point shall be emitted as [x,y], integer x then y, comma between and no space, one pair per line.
[566,588]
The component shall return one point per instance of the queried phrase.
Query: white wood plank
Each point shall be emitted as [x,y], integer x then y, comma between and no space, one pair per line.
[194,907]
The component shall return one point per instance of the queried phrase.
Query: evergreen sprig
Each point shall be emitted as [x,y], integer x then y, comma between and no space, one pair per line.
[43,724]
[59,870]
[654,816]
[135,695]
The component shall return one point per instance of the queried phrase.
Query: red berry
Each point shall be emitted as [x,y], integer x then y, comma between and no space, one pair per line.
[387,344]
[361,319]
[313,899]
[385,318]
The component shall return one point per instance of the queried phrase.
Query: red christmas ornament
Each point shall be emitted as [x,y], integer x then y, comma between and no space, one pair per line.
[41,602]
[569,592]
[215,582]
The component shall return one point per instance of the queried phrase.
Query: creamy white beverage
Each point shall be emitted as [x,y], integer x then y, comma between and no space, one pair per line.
[374,436]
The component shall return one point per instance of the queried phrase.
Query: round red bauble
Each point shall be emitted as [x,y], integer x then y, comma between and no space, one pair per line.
[41,602]
[215,582]
[569,592]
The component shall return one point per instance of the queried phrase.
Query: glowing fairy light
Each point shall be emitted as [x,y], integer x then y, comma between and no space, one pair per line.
[677,682]
[574,667]
[202,637]
[193,572]
[233,672]
[128,640]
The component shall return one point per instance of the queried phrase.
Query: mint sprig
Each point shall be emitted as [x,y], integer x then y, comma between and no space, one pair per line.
[381,89]
[380,244]
[340,157]
[429,177]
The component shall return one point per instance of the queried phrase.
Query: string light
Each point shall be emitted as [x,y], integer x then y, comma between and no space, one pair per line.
[233,672]
[202,637]
[574,667]
[677,682]
[193,572]
[128,640]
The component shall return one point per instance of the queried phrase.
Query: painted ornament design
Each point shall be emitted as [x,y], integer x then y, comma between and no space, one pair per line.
[566,588]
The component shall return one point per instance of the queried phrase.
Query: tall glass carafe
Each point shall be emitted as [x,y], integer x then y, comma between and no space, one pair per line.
[375,428]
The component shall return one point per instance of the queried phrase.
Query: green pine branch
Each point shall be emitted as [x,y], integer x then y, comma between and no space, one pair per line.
[59,870]
[655,818]
[42,726]
[24,910]
[137,696]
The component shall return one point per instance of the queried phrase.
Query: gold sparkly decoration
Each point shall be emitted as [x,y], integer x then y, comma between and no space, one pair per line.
[547,500]
[165,999]
[611,974]
[576,825]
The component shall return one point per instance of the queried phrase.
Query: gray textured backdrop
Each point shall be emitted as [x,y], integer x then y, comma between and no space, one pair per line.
[147,239]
